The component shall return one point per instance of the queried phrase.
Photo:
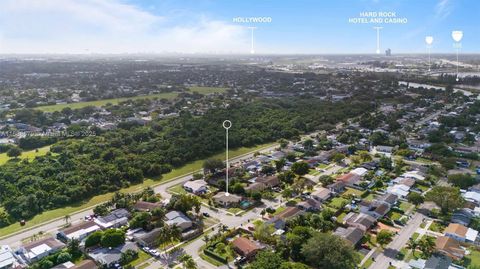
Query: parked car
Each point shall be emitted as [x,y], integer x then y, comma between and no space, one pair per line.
[205,214]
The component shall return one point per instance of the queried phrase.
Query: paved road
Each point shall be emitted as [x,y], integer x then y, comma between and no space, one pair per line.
[15,240]
[383,260]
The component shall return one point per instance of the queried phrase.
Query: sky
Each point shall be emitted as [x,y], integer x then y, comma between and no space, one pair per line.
[208,26]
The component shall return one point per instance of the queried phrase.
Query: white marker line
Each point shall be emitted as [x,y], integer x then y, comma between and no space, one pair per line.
[378,38]
[226,125]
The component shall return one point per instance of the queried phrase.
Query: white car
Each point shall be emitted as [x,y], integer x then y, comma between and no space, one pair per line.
[146,249]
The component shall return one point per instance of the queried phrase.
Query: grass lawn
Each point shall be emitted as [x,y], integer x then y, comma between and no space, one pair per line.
[98,103]
[355,192]
[405,206]
[394,215]
[415,236]
[142,256]
[208,90]
[437,227]
[178,189]
[60,212]
[472,259]
[234,210]
[367,263]
[341,216]
[279,210]
[31,154]
[337,202]
[370,197]
[114,101]
[422,187]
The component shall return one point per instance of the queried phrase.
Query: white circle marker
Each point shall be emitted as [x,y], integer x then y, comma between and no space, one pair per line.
[457,37]
[226,125]
[429,42]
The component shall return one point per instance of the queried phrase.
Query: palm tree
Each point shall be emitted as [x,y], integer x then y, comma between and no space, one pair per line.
[188,262]
[412,244]
[427,245]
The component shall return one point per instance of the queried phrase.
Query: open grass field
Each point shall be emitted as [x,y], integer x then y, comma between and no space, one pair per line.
[31,154]
[114,101]
[60,212]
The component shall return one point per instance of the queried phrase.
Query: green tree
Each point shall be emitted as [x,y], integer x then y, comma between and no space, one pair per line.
[447,198]
[463,181]
[64,257]
[412,244]
[338,157]
[280,164]
[212,165]
[14,152]
[384,237]
[187,262]
[93,239]
[112,238]
[427,245]
[385,163]
[266,260]
[300,168]
[415,198]
[329,251]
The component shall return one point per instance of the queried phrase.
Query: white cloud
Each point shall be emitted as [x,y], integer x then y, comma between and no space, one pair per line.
[109,26]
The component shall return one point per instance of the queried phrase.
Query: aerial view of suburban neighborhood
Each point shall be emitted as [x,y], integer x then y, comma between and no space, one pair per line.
[239,134]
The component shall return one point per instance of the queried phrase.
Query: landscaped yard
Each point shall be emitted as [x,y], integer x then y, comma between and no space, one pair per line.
[404,206]
[31,154]
[415,236]
[60,212]
[394,215]
[234,210]
[279,210]
[472,259]
[337,202]
[355,192]
[142,256]
[177,189]
[437,227]
[114,101]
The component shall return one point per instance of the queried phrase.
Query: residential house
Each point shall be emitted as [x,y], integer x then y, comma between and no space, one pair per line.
[336,187]
[279,220]
[309,205]
[110,256]
[399,190]
[462,216]
[353,235]
[196,186]
[321,194]
[461,233]
[269,181]
[7,259]
[361,171]
[438,262]
[255,187]
[382,150]
[117,218]
[147,238]
[78,231]
[449,247]
[178,219]
[389,198]
[245,247]
[225,200]
[376,209]
[472,196]
[145,206]
[85,264]
[359,220]
[34,251]
[351,180]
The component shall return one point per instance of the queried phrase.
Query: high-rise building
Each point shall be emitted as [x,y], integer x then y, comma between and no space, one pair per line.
[388,52]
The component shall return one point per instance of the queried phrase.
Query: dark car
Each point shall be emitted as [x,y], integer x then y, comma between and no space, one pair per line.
[205,214]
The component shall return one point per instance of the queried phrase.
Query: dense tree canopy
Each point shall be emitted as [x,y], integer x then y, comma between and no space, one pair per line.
[82,168]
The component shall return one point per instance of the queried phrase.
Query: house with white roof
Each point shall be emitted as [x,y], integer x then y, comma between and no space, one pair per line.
[115,219]
[7,259]
[78,231]
[399,190]
[359,171]
[417,175]
[472,196]
[461,233]
[196,186]
[34,251]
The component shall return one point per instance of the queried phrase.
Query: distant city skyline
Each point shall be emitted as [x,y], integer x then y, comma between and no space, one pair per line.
[222,27]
